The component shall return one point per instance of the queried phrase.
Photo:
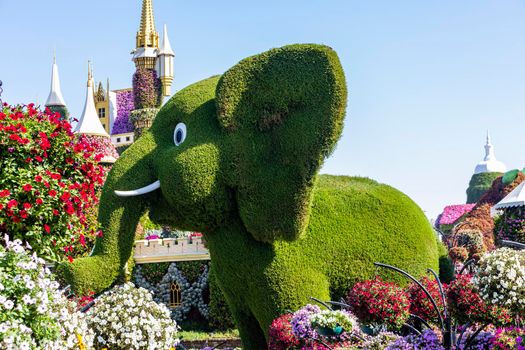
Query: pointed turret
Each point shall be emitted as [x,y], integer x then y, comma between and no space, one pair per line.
[55,101]
[147,43]
[89,123]
[165,63]
[489,164]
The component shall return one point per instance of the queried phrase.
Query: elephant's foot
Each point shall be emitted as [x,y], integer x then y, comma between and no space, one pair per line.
[251,333]
[90,274]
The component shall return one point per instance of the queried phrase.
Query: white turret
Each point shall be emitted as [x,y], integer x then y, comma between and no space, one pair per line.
[490,164]
[89,123]
[55,95]
[165,64]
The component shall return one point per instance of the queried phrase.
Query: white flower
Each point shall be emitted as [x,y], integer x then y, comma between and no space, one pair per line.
[9,304]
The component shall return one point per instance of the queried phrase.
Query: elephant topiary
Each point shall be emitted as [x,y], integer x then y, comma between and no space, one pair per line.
[237,158]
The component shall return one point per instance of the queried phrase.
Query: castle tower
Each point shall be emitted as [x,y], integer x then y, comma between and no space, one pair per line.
[147,40]
[55,101]
[165,64]
[485,173]
[89,123]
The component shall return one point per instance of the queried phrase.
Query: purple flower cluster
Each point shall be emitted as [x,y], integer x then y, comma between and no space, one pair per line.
[482,341]
[301,326]
[428,340]
[125,105]
[511,225]
[146,89]
[453,213]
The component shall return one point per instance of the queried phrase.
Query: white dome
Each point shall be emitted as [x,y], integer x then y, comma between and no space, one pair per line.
[490,164]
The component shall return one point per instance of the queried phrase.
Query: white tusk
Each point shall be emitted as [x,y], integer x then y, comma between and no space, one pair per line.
[139,191]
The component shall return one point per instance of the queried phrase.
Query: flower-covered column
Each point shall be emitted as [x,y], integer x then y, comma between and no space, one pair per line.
[147,97]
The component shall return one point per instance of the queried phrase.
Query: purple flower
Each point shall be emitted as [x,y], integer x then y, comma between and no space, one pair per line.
[125,105]
[301,326]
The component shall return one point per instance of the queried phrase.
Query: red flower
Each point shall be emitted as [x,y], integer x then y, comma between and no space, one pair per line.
[39,159]
[27,187]
[23,214]
[39,201]
[52,193]
[68,207]
[12,203]
[27,205]
[65,196]
[1,206]
[47,228]
[38,178]
[55,212]
[16,219]
[70,259]
[5,193]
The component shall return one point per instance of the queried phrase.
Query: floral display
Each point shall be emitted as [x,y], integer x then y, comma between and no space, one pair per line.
[420,304]
[379,302]
[482,341]
[428,340]
[49,183]
[511,225]
[127,317]
[453,213]
[281,334]
[146,89]
[380,341]
[512,338]
[466,305]
[34,314]
[501,279]
[125,104]
[101,145]
[333,321]
[301,322]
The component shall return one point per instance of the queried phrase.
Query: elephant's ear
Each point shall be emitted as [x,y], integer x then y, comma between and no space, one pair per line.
[283,111]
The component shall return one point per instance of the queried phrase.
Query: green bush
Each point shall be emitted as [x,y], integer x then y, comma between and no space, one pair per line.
[220,317]
[479,184]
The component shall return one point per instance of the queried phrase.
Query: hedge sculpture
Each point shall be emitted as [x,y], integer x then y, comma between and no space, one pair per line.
[237,158]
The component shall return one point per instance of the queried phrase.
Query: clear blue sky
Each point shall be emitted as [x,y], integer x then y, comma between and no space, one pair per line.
[426,78]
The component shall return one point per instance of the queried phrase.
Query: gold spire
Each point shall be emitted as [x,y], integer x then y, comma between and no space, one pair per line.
[147,36]
[90,75]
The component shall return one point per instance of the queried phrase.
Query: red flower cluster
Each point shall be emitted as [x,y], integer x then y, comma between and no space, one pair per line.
[48,184]
[280,334]
[466,306]
[377,301]
[420,304]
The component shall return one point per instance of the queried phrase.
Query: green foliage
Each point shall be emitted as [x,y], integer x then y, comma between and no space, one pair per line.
[155,272]
[246,177]
[446,265]
[220,317]
[479,184]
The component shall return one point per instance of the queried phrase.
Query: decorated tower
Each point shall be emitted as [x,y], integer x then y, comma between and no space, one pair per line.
[90,129]
[55,101]
[165,63]
[485,173]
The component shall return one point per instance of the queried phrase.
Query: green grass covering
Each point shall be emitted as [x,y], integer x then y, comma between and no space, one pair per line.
[205,335]
[479,184]
[246,176]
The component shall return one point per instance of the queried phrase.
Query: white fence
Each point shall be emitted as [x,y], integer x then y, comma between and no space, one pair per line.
[170,249]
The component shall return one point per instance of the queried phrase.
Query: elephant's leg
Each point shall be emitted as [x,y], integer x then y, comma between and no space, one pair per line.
[249,329]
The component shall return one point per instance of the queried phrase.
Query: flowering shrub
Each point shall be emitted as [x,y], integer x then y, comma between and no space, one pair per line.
[509,339]
[280,334]
[420,304]
[466,305]
[146,89]
[501,279]
[125,105]
[453,213]
[379,302]
[101,145]
[127,317]
[428,340]
[511,225]
[301,322]
[310,326]
[34,314]
[48,183]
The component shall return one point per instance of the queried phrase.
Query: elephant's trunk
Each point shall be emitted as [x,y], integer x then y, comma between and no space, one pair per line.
[118,216]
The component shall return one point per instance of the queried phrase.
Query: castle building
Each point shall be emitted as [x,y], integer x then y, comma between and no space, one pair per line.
[148,54]
[112,108]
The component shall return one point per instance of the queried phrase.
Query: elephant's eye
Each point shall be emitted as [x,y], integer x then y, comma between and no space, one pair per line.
[179,135]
